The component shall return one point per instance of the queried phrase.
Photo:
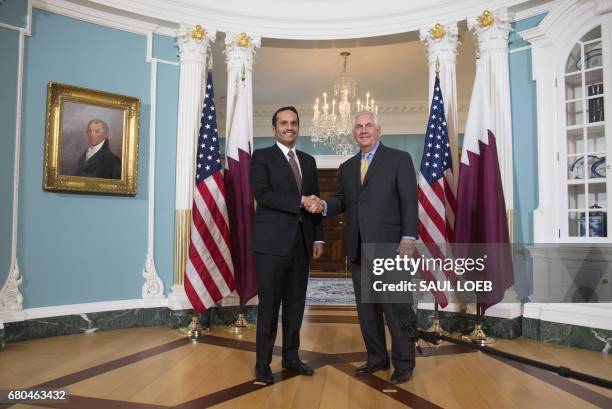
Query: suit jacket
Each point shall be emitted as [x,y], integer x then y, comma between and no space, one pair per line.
[103,164]
[384,208]
[279,209]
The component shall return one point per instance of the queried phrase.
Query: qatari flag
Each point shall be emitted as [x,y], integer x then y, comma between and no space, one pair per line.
[240,206]
[481,218]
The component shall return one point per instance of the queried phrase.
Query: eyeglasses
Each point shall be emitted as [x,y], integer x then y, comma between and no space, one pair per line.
[368,126]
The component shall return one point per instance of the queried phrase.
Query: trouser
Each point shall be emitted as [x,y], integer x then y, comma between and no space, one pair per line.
[281,280]
[398,316]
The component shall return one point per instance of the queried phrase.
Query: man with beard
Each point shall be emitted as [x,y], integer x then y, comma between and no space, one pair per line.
[285,235]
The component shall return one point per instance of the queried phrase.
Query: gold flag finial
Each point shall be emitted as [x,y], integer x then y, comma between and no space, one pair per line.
[486,19]
[210,61]
[243,40]
[198,33]
[437,32]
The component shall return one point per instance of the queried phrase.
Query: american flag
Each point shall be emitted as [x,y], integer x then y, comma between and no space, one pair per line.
[210,272]
[437,204]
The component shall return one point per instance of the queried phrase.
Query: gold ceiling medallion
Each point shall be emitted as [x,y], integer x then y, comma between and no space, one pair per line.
[198,33]
[437,32]
[486,20]
[243,40]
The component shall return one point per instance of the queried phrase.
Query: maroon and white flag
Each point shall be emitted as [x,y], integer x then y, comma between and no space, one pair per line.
[481,219]
[239,198]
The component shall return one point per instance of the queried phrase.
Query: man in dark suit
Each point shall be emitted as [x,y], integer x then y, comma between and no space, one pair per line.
[377,190]
[98,161]
[285,235]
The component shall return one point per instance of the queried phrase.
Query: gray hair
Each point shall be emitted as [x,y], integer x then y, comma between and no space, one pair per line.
[101,122]
[358,114]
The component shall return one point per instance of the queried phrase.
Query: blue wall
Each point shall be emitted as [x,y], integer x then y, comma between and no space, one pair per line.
[76,248]
[14,13]
[164,49]
[524,130]
[9,44]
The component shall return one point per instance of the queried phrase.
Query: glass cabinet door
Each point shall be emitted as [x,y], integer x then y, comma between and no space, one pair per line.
[586,148]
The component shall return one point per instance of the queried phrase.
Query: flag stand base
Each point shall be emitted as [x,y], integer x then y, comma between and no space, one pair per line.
[240,325]
[478,336]
[194,330]
[437,328]
[435,325]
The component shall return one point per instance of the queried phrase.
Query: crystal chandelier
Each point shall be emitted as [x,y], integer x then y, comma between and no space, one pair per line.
[333,127]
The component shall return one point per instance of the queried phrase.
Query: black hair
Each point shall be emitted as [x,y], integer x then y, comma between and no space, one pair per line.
[289,108]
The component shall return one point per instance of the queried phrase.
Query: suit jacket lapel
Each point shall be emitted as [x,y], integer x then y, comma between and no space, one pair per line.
[355,171]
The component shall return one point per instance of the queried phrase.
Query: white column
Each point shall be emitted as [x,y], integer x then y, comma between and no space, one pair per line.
[442,41]
[193,43]
[491,30]
[239,55]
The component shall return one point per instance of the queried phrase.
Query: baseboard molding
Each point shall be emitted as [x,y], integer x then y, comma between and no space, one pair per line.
[579,325]
[504,310]
[595,315]
[76,309]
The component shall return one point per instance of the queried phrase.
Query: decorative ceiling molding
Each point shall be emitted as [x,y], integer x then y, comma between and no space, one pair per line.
[553,29]
[106,18]
[603,6]
[390,107]
[306,20]
[523,11]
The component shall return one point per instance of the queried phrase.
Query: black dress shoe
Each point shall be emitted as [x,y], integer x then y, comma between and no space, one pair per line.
[400,376]
[297,366]
[263,374]
[369,368]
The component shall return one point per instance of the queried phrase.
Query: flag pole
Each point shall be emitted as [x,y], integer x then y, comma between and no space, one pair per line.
[478,336]
[195,331]
[241,324]
[435,325]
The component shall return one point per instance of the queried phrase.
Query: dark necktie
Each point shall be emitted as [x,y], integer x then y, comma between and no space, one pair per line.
[295,170]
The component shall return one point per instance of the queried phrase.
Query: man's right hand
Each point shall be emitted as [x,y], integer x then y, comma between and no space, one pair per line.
[312,204]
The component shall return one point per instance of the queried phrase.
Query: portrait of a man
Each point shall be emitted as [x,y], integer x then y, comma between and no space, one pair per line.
[98,161]
[91,141]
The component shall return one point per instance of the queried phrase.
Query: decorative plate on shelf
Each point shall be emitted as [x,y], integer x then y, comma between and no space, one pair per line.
[598,169]
[595,54]
[577,169]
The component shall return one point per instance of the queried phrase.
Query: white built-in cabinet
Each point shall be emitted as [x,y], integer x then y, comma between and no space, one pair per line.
[571,62]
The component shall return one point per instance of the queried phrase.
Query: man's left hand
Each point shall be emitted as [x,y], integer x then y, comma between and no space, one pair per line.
[317,250]
[406,247]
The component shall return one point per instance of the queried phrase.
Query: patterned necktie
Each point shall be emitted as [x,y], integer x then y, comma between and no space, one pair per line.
[295,170]
[364,166]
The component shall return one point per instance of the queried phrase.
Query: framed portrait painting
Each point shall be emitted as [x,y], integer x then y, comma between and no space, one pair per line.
[91,142]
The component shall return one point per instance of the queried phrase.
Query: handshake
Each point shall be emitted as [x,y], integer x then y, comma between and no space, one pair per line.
[312,204]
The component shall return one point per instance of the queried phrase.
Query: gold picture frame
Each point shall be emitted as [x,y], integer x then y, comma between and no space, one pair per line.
[91,142]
